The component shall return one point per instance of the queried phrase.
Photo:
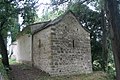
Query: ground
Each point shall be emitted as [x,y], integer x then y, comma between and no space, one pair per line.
[25,72]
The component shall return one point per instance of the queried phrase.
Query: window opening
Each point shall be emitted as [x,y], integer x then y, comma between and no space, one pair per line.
[73,43]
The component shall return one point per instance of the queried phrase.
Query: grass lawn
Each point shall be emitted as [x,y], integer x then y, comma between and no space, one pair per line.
[99,75]
[3,72]
[93,76]
[12,61]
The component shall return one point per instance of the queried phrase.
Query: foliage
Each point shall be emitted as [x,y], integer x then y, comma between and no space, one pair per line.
[10,9]
[51,15]
[92,21]
[6,10]
[113,18]
[3,71]
[9,12]
[29,12]
[9,15]
[12,61]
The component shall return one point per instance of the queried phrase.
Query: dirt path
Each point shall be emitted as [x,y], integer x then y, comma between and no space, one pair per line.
[24,72]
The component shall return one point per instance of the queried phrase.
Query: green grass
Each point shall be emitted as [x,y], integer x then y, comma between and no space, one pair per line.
[12,61]
[92,76]
[3,71]
[99,75]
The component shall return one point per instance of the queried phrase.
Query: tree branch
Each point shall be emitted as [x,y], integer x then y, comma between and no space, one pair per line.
[6,1]
[57,3]
[2,25]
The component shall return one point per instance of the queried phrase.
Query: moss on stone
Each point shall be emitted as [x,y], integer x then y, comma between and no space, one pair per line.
[26,30]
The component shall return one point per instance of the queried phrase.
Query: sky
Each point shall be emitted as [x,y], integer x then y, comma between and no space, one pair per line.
[40,9]
[40,12]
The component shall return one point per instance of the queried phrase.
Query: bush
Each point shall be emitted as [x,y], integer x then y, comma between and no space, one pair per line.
[3,72]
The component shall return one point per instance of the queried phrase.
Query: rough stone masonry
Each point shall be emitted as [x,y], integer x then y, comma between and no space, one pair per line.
[62,47]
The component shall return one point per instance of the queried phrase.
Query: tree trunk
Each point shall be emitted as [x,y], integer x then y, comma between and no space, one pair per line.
[3,52]
[114,20]
[104,41]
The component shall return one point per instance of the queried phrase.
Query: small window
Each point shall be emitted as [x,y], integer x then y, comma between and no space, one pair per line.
[77,29]
[65,27]
[73,43]
[39,43]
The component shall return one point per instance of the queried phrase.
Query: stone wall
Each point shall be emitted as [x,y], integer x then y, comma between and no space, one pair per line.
[35,27]
[71,53]
[63,48]
[23,49]
[42,50]
[13,50]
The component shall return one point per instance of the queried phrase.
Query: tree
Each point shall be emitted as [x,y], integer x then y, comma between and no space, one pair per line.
[5,13]
[91,20]
[114,21]
[9,11]
[95,23]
